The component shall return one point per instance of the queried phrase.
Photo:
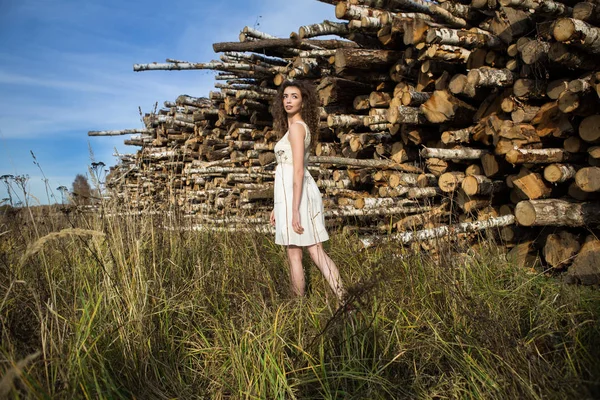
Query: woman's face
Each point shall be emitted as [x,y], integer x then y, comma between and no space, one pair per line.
[292,100]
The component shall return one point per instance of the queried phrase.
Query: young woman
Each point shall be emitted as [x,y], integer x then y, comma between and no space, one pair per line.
[298,211]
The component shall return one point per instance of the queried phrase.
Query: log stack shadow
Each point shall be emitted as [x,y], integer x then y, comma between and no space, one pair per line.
[438,121]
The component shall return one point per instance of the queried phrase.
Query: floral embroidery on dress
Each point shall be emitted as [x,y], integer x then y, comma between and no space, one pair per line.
[281,156]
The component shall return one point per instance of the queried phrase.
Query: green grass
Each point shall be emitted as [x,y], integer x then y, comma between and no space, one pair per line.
[122,308]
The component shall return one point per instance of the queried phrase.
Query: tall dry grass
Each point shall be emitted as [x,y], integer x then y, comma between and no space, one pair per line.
[119,307]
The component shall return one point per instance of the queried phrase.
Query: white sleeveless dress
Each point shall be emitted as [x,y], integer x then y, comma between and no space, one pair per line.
[311,203]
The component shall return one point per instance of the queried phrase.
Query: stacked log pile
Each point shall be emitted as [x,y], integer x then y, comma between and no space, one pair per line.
[447,117]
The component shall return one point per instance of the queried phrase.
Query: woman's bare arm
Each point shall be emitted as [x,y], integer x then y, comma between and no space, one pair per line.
[296,138]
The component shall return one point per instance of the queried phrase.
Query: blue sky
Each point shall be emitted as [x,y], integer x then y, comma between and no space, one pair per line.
[66,69]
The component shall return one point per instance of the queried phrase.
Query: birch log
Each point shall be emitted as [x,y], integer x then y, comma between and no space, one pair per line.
[559,173]
[555,212]
[463,38]
[539,156]
[487,76]
[453,154]
[324,28]
[447,230]
[144,131]
[363,163]
[579,33]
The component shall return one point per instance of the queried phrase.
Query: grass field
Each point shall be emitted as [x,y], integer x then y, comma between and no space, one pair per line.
[96,306]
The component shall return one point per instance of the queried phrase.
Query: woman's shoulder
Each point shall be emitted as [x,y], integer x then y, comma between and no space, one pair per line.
[296,126]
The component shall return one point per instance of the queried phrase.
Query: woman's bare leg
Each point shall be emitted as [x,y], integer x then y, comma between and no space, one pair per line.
[327,268]
[296,271]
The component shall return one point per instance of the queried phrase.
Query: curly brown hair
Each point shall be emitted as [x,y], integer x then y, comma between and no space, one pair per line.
[309,112]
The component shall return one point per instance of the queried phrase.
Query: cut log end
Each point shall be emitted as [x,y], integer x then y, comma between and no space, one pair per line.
[525,213]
